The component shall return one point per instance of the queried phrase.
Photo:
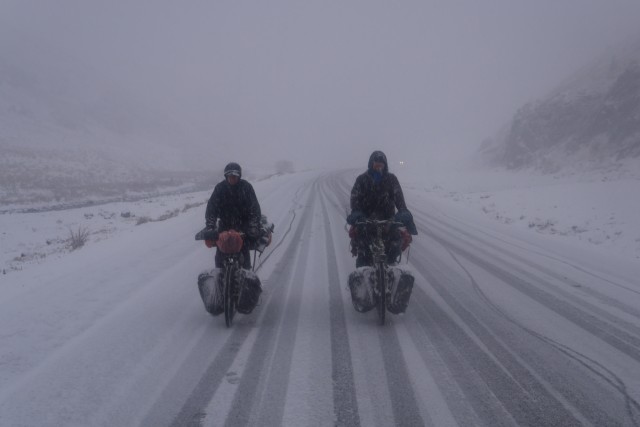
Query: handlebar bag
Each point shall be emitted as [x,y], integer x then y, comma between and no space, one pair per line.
[229,242]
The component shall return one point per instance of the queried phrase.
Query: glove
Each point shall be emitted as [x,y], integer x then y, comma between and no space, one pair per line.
[406,239]
[252,232]
[211,234]
[354,217]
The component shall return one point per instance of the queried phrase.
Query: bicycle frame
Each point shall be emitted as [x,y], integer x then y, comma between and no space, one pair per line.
[230,289]
[231,265]
[376,245]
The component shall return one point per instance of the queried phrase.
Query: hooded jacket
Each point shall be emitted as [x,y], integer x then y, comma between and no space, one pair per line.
[377,199]
[236,206]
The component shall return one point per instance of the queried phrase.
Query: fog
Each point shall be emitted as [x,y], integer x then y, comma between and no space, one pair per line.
[317,83]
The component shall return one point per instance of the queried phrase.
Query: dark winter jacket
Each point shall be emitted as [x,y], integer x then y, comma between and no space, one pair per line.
[236,206]
[377,200]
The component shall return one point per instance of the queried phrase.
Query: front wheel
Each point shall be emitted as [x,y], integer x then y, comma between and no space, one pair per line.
[381,282]
[229,300]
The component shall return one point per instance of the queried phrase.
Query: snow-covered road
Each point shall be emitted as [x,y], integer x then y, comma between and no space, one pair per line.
[499,330]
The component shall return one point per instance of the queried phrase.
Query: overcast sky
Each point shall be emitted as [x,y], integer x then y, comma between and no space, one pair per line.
[327,82]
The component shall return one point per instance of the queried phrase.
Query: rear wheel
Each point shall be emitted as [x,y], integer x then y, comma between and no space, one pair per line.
[229,300]
[381,306]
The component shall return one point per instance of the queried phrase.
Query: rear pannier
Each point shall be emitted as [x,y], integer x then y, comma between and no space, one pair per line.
[361,283]
[400,284]
[210,288]
[249,292]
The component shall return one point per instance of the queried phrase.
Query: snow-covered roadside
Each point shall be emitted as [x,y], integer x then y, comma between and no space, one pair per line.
[30,238]
[596,210]
[115,333]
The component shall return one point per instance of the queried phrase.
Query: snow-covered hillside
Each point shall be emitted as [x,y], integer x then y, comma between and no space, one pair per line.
[62,178]
[68,133]
[591,120]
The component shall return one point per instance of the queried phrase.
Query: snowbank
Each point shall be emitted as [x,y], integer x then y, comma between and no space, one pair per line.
[597,209]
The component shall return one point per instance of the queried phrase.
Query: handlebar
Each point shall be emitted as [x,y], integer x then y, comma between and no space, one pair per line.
[211,234]
[378,222]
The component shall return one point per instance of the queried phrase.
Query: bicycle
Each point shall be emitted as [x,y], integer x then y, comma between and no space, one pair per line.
[232,280]
[376,233]
[230,244]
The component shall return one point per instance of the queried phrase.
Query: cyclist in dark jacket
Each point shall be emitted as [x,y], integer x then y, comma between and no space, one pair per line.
[234,205]
[377,194]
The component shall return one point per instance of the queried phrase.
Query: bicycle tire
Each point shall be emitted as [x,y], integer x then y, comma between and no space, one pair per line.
[381,305]
[229,301]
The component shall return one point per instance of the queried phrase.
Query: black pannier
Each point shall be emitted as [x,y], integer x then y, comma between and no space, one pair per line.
[264,239]
[400,284]
[210,287]
[249,291]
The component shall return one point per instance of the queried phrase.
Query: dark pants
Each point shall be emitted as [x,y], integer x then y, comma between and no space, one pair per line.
[245,258]
[366,259]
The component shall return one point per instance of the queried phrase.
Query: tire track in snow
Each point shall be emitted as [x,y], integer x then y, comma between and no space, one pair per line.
[274,248]
[574,396]
[345,404]
[401,392]
[588,309]
[261,394]
[623,341]
[594,366]
[458,408]
[486,370]
[444,335]
[511,254]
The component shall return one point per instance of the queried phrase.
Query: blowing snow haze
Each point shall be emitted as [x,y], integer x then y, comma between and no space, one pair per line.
[125,91]
[525,303]
[591,121]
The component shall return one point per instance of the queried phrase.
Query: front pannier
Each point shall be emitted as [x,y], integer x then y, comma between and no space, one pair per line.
[249,292]
[266,233]
[210,287]
[361,282]
[400,284]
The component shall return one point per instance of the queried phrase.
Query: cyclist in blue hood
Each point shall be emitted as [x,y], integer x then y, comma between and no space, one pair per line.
[377,194]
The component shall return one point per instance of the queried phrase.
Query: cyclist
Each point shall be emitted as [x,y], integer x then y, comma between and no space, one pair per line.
[234,205]
[376,194]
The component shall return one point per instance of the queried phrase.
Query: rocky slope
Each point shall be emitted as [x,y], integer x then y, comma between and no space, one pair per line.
[592,120]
